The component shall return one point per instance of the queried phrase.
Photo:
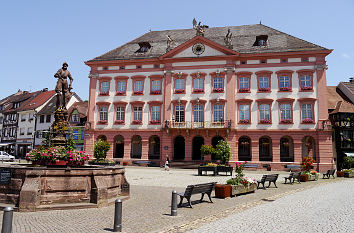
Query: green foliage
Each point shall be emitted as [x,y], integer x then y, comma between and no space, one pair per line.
[223,151]
[207,150]
[101,148]
[348,162]
[70,143]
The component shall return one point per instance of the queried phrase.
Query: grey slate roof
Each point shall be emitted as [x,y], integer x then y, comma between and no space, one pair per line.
[243,39]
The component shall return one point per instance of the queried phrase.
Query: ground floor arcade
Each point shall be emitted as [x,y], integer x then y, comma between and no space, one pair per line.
[262,147]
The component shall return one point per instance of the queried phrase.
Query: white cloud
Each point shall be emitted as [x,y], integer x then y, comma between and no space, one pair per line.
[346,56]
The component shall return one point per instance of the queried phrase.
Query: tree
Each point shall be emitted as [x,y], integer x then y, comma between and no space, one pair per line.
[223,151]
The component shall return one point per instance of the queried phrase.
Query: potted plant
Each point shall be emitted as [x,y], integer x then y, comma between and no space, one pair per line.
[207,151]
[340,173]
[241,184]
[223,151]
[222,190]
[348,173]
[101,148]
[306,166]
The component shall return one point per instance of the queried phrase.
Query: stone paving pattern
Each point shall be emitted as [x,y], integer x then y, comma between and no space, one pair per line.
[148,208]
[327,208]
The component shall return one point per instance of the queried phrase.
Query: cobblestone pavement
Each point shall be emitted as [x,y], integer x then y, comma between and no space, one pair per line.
[327,208]
[148,208]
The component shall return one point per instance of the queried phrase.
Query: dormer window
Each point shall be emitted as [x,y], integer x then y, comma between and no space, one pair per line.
[144,47]
[261,40]
[16,105]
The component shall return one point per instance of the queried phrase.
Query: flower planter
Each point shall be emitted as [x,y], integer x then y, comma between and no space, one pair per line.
[349,174]
[241,189]
[222,190]
[304,178]
[60,163]
[340,174]
[313,177]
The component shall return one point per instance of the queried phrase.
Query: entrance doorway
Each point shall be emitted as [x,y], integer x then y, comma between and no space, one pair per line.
[119,147]
[197,144]
[179,148]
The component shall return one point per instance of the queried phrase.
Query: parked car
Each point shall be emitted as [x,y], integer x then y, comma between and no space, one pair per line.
[4,156]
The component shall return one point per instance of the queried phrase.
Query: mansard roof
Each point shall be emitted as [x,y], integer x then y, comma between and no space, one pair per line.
[243,39]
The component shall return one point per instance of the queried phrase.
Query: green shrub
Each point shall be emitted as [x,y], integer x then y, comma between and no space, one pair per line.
[223,151]
[100,150]
[207,150]
[348,162]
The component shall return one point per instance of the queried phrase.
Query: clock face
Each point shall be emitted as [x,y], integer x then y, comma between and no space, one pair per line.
[198,48]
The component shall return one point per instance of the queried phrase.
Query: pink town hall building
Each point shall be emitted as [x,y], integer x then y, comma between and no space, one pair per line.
[166,93]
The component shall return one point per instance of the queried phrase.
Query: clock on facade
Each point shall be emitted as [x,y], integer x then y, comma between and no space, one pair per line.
[198,48]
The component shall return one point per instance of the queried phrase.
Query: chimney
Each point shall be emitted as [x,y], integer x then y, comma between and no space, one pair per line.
[45,89]
[351,79]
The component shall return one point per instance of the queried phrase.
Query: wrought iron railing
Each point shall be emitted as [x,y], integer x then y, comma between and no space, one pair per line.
[198,125]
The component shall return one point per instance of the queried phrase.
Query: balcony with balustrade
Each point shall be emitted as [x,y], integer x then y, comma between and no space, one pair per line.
[197,125]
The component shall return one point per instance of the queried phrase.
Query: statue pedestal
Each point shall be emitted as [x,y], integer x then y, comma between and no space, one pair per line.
[60,128]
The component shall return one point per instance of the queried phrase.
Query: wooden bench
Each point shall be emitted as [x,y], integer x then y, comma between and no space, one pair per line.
[249,165]
[205,188]
[142,162]
[272,178]
[292,167]
[329,173]
[292,176]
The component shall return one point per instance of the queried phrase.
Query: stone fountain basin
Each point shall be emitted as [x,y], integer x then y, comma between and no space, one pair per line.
[42,188]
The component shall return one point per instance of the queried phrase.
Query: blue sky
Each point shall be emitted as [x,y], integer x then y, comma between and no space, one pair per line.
[37,36]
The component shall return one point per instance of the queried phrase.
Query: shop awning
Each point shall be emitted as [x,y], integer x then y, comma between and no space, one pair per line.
[349,154]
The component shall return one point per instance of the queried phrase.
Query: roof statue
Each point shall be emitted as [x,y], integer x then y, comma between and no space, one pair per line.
[228,39]
[199,28]
[170,42]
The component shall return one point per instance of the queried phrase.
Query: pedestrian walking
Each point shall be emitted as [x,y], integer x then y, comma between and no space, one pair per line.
[167,168]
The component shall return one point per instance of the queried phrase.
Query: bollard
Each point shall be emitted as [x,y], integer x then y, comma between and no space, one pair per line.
[174,203]
[7,220]
[117,227]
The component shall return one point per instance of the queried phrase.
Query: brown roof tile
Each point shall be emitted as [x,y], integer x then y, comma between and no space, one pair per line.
[243,39]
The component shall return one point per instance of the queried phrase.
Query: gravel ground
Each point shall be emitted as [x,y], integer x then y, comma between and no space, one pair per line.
[148,208]
[327,208]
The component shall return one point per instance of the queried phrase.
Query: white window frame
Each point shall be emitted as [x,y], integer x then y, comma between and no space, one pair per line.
[244,83]
[103,113]
[218,113]
[104,87]
[305,81]
[198,112]
[285,112]
[120,113]
[137,113]
[156,113]
[179,113]
[263,82]
[306,111]
[244,112]
[180,84]
[264,112]
[156,85]
[284,81]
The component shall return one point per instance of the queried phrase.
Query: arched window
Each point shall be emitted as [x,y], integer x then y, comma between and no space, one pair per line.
[286,149]
[118,147]
[136,147]
[265,149]
[154,147]
[244,149]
